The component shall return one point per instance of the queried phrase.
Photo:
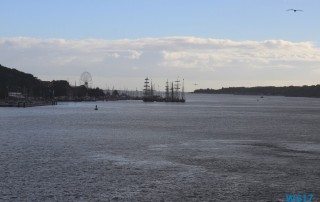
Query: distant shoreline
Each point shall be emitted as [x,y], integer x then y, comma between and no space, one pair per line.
[24,104]
[288,91]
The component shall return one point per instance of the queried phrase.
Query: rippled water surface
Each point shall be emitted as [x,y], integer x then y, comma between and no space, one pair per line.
[212,148]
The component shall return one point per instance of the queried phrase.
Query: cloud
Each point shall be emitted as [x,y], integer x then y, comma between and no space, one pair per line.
[210,53]
[196,59]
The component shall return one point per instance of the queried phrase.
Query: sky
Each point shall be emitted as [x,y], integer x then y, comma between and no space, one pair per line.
[212,43]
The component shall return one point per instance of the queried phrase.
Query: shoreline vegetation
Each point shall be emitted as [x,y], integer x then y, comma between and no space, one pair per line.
[288,91]
[19,89]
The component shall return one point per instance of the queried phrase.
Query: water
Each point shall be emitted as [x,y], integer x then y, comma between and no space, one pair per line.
[212,148]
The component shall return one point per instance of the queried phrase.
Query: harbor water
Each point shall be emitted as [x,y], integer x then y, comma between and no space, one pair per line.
[211,148]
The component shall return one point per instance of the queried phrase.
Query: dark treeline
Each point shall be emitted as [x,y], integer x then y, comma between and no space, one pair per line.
[62,88]
[12,80]
[290,91]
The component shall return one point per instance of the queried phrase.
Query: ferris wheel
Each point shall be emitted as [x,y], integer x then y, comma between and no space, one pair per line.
[86,79]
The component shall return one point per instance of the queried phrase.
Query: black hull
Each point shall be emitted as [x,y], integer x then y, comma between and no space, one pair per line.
[163,100]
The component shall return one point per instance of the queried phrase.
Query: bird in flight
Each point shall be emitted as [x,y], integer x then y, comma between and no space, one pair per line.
[195,84]
[294,10]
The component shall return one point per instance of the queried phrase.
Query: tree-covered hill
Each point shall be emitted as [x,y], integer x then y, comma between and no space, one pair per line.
[13,77]
[12,80]
[290,91]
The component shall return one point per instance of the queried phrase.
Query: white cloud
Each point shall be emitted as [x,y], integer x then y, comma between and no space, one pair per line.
[213,61]
[115,55]
[135,54]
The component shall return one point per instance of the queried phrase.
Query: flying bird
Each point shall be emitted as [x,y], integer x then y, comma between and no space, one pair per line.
[294,10]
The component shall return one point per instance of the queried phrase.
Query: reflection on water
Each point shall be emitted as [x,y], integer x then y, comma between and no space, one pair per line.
[213,147]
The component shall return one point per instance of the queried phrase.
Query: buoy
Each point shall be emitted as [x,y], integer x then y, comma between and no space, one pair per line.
[96,107]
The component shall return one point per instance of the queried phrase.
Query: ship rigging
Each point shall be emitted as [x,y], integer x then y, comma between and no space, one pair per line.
[174,92]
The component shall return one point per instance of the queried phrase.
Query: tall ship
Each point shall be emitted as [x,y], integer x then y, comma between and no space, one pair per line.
[174,92]
[148,91]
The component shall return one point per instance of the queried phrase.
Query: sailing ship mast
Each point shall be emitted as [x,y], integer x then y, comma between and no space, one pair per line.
[177,88]
[167,91]
[146,88]
[182,94]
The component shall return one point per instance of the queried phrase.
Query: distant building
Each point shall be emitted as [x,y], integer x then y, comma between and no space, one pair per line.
[15,95]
